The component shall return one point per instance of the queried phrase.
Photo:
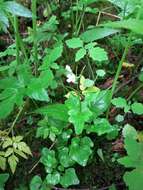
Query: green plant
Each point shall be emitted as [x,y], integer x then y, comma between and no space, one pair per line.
[133,159]
[3,180]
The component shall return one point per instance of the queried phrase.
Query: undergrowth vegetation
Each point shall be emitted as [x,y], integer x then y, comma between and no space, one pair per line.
[71,99]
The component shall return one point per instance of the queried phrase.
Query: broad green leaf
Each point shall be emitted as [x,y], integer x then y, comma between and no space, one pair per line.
[36,183]
[129,131]
[78,112]
[40,95]
[3,179]
[8,152]
[133,179]
[126,6]
[12,160]
[83,145]
[98,54]
[64,157]
[53,179]
[36,85]
[131,24]
[4,23]
[17,9]
[121,103]
[101,126]
[7,142]
[80,54]
[2,163]
[51,57]
[98,101]
[57,111]
[6,107]
[134,158]
[69,178]
[74,43]
[96,34]
[20,153]
[24,148]
[48,159]
[137,108]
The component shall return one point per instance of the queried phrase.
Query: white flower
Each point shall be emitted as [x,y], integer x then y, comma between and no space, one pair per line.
[71,77]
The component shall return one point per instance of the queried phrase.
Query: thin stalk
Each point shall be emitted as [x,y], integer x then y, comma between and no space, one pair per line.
[118,72]
[16,31]
[120,65]
[80,22]
[90,69]
[35,47]
[15,120]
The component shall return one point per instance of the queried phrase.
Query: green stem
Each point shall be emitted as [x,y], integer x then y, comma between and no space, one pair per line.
[35,47]
[17,40]
[90,69]
[120,65]
[15,120]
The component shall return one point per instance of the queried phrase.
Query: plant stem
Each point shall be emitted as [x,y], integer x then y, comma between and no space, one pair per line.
[35,47]
[90,69]
[120,65]
[15,120]
[17,39]
[118,72]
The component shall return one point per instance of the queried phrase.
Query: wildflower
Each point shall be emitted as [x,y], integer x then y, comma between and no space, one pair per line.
[71,77]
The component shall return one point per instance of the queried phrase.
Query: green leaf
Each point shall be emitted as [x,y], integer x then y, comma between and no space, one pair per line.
[121,103]
[36,183]
[57,111]
[6,107]
[78,112]
[4,23]
[137,108]
[17,9]
[2,163]
[51,57]
[12,160]
[133,179]
[69,178]
[96,34]
[36,87]
[53,179]
[131,24]
[101,126]
[40,95]
[129,131]
[80,54]
[98,54]
[24,148]
[74,43]
[3,179]
[98,101]
[64,157]
[7,142]
[100,73]
[83,145]
[48,158]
